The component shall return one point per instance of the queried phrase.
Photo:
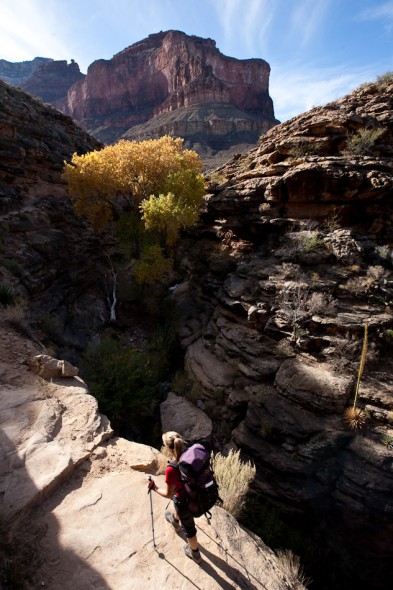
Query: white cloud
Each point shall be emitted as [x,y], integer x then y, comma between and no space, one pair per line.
[307,20]
[245,24]
[257,23]
[29,29]
[295,90]
[382,11]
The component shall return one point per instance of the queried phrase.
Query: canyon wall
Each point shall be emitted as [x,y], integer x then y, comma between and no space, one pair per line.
[17,73]
[293,256]
[49,256]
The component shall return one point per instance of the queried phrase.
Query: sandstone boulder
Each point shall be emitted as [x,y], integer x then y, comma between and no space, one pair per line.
[49,368]
[314,385]
[180,415]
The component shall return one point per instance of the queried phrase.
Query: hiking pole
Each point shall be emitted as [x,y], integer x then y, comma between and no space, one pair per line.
[151,512]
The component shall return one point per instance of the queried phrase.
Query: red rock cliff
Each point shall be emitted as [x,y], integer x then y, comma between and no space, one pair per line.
[52,80]
[170,71]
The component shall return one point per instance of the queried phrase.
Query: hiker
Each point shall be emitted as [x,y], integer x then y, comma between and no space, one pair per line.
[174,488]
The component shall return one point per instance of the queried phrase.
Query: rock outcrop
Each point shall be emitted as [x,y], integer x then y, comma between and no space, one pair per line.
[48,255]
[52,80]
[74,507]
[42,77]
[294,255]
[180,415]
[176,84]
[17,73]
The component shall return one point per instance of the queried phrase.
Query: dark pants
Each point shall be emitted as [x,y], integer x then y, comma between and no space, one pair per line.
[186,518]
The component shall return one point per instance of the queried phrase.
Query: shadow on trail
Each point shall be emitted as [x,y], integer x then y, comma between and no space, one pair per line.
[23,542]
[212,573]
[246,581]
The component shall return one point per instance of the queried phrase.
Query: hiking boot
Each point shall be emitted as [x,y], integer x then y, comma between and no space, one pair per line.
[195,555]
[172,520]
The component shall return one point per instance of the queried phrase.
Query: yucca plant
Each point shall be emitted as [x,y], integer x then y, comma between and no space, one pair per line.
[355,417]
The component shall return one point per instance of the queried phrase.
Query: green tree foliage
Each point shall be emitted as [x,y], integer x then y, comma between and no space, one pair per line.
[158,179]
[152,265]
[126,382]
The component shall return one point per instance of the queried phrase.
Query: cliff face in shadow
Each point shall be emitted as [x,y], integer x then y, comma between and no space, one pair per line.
[292,258]
[48,255]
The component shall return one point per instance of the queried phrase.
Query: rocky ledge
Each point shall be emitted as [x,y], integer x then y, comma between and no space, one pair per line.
[73,501]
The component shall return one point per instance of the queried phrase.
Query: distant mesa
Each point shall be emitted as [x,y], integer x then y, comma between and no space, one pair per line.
[169,83]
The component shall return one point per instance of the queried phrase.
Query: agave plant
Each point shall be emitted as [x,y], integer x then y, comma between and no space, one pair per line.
[355,417]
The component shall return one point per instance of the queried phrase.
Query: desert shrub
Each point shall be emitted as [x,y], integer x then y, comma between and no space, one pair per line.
[287,270]
[297,243]
[362,142]
[343,354]
[12,266]
[333,221]
[372,285]
[7,295]
[384,80]
[387,440]
[388,336]
[234,477]
[296,304]
[290,565]
[385,253]
[216,178]
[313,241]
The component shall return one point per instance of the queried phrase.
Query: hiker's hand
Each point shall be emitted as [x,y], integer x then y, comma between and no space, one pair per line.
[151,485]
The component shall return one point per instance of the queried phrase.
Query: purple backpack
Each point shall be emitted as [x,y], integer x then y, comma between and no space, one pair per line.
[198,478]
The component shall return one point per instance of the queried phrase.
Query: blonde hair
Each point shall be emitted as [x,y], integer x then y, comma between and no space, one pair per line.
[173,441]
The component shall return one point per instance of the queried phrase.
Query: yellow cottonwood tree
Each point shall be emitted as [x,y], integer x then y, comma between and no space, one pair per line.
[159,180]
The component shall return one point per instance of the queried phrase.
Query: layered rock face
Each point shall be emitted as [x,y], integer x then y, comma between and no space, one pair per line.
[177,84]
[43,77]
[295,255]
[51,81]
[17,73]
[48,255]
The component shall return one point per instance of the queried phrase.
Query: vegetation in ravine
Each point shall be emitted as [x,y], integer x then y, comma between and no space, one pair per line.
[128,383]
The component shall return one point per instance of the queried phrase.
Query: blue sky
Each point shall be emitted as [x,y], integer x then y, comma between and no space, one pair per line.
[318,50]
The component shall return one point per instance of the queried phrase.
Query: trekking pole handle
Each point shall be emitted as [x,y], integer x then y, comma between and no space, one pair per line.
[149,490]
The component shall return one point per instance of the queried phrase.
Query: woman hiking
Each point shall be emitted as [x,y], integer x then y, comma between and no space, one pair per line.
[174,488]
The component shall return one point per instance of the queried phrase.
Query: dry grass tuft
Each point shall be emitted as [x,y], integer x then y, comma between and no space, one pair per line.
[290,565]
[234,477]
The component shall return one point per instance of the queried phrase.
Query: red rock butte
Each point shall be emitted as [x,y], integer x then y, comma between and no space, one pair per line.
[178,84]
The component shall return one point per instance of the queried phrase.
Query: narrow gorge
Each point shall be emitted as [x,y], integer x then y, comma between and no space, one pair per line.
[291,258]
